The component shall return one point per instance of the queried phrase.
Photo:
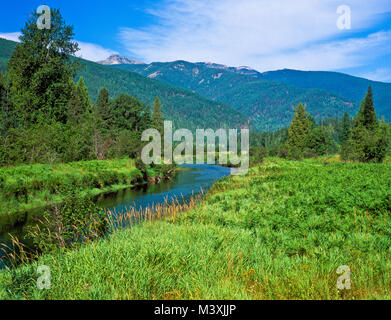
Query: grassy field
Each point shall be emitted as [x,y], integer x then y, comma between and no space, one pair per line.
[28,187]
[280,232]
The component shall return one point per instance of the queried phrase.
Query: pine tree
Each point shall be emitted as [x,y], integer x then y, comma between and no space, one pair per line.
[299,129]
[367,115]
[83,96]
[104,109]
[369,138]
[157,116]
[75,109]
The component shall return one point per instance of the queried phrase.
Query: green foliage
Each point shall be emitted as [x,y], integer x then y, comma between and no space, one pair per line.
[346,127]
[257,155]
[279,232]
[27,187]
[157,116]
[77,219]
[104,109]
[369,139]
[300,128]
[83,96]
[267,104]
[40,68]
[349,87]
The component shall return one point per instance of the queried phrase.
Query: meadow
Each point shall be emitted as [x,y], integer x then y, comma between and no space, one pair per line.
[29,187]
[280,232]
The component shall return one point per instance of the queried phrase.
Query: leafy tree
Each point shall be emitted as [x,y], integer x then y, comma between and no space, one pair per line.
[157,116]
[40,69]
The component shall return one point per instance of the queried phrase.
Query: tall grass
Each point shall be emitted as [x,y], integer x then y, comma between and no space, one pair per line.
[28,187]
[280,232]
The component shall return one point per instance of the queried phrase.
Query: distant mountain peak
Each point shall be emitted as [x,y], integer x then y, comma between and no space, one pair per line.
[117,59]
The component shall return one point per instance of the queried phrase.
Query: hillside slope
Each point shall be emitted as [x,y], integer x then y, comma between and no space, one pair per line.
[347,86]
[339,83]
[185,108]
[268,104]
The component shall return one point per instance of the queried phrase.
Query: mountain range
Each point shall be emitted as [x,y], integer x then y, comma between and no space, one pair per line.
[204,94]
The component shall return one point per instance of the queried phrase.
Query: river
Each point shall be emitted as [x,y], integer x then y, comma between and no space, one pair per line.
[191,179]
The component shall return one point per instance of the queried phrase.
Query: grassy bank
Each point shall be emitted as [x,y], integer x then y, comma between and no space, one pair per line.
[280,232]
[28,187]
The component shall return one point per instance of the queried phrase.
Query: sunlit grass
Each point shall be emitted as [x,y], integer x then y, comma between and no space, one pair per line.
[280,232]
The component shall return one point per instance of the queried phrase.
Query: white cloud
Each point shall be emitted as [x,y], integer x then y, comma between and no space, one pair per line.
[381,74]
[88,51]
[261,33]
[13,36]
[93,52]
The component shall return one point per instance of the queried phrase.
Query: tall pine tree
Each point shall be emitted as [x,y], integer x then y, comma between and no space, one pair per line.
[369,138]
[157,116]
[83,96]
[104,109]
[299,129]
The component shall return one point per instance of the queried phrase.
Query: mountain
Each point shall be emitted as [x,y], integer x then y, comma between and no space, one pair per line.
[6,48]
[268,104]
[351,87]
[117,59]
[185,108]
[347,86]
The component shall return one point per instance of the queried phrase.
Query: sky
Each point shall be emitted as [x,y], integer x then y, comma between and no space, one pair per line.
[263,34]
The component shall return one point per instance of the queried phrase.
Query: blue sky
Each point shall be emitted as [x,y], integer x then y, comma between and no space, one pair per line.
[263,34]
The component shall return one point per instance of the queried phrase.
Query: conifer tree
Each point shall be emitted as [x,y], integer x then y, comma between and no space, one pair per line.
[367,115]
[83,96]
[75,109]
[369,138]
[157,116]
[104,109]
[299,129]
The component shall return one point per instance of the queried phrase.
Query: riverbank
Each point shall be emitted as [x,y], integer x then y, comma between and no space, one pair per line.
[28,188]
[279,232]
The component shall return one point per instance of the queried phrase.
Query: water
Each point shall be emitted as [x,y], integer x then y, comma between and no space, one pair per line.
[191,179]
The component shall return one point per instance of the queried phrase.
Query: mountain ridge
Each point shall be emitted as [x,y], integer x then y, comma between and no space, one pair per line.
[185,108]
[268,104]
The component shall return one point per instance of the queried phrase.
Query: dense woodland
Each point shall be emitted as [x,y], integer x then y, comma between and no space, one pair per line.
[48,117]
[45,117]
[362,138]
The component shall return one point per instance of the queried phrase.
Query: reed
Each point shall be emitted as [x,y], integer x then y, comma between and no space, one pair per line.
[280,232]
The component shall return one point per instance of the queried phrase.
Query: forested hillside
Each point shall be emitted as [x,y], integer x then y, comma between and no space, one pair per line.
[268,104]
[186,109]
[342,84]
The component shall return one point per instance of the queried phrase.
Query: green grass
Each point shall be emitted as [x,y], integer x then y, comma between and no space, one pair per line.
[280,232]
[29,187]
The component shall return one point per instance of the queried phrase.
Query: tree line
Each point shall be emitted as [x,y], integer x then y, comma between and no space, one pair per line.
[45,116]
[363,138]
